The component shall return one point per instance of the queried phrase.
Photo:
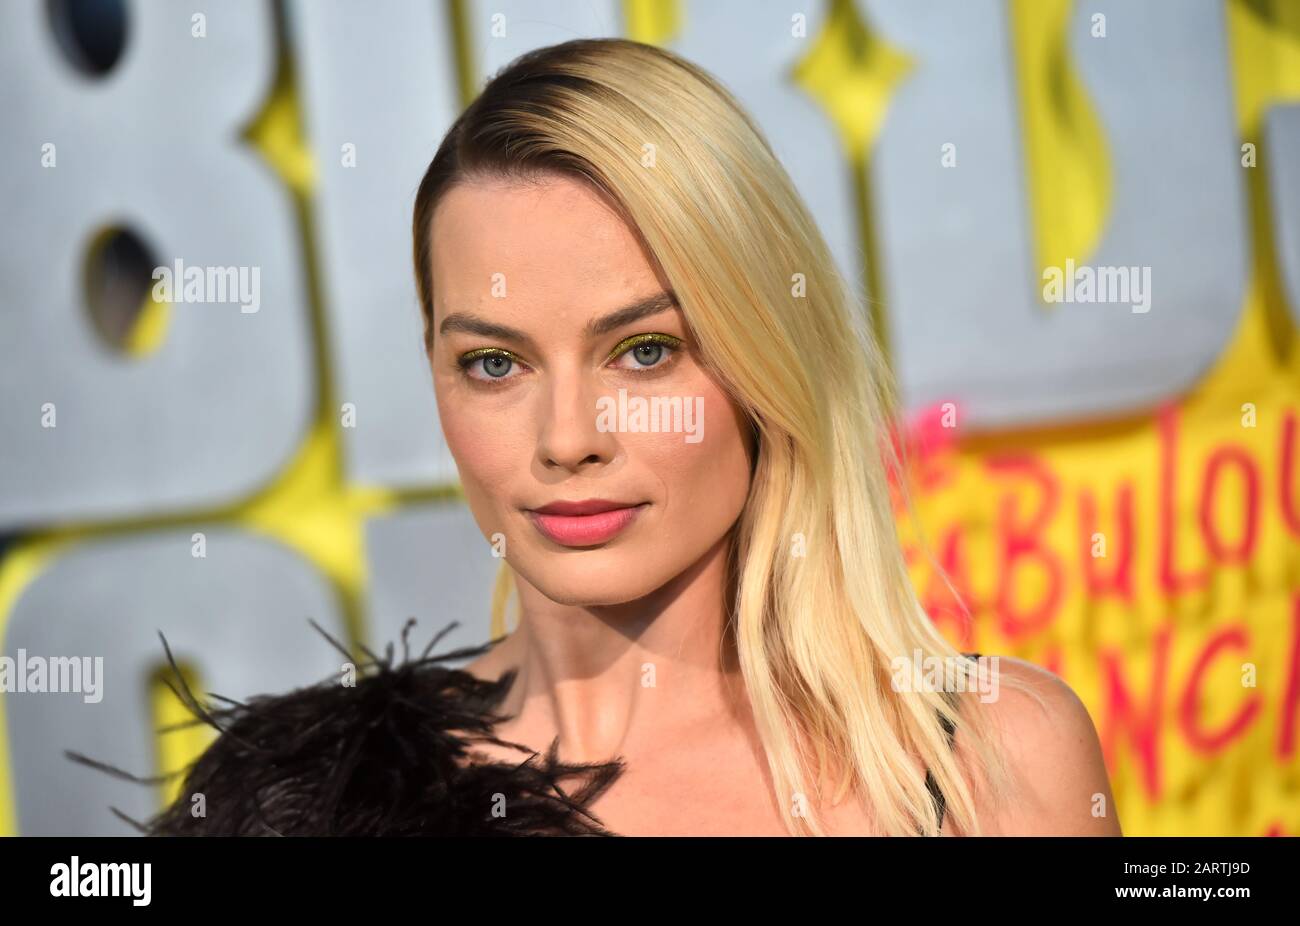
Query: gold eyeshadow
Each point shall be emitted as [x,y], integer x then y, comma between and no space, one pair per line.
[666,340]
[469,357]
[636,340]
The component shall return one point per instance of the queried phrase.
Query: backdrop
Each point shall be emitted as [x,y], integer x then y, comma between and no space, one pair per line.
[1077,226]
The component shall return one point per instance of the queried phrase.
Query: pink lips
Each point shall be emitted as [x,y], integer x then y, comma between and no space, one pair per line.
[585,523]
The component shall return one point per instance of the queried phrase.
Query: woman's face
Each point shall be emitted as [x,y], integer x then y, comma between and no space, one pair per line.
[594,450]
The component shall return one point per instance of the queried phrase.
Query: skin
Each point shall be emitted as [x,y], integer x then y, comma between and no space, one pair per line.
[1061,784]
[620,650]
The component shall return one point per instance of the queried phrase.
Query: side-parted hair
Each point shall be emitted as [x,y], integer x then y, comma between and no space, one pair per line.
[817,634]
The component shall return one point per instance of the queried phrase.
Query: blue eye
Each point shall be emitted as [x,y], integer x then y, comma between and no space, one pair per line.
[647,354]
[639,353]
[496,364]
[645,351]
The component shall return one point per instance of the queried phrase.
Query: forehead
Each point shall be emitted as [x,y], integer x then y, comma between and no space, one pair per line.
[553,243]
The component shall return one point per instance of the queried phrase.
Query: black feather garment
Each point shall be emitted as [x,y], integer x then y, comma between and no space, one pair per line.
[387,756]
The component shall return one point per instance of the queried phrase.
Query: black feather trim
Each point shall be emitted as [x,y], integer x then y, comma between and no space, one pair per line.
[388,756]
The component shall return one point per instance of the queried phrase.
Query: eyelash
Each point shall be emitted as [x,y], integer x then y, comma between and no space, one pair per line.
[672,343]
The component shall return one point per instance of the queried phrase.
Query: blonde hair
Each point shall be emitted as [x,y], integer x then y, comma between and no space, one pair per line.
[817,633]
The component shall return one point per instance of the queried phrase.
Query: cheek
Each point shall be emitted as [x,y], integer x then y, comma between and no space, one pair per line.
[487,450]
[706,482]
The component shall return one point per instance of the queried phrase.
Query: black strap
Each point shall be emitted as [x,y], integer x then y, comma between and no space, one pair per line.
[950,730]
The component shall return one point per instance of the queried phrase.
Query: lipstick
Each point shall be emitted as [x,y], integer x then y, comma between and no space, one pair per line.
[584,523]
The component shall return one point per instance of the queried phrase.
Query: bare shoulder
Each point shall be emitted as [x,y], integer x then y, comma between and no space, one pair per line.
[1061,785]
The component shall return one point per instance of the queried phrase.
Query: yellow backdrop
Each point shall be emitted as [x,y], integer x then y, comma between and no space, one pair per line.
[1153,562]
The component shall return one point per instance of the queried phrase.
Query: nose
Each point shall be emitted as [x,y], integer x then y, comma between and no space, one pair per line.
[568,435]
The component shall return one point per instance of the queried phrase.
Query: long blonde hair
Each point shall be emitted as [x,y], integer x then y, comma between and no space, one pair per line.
[823,604]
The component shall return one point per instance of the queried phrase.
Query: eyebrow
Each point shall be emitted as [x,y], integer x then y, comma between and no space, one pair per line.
[642,308]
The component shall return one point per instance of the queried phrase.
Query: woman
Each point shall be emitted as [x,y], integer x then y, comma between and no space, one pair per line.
[605,221]
[670,419]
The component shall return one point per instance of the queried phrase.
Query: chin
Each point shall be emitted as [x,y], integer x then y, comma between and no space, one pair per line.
[591,578]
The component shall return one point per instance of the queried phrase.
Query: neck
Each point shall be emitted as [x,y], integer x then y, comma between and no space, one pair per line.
[614,679]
